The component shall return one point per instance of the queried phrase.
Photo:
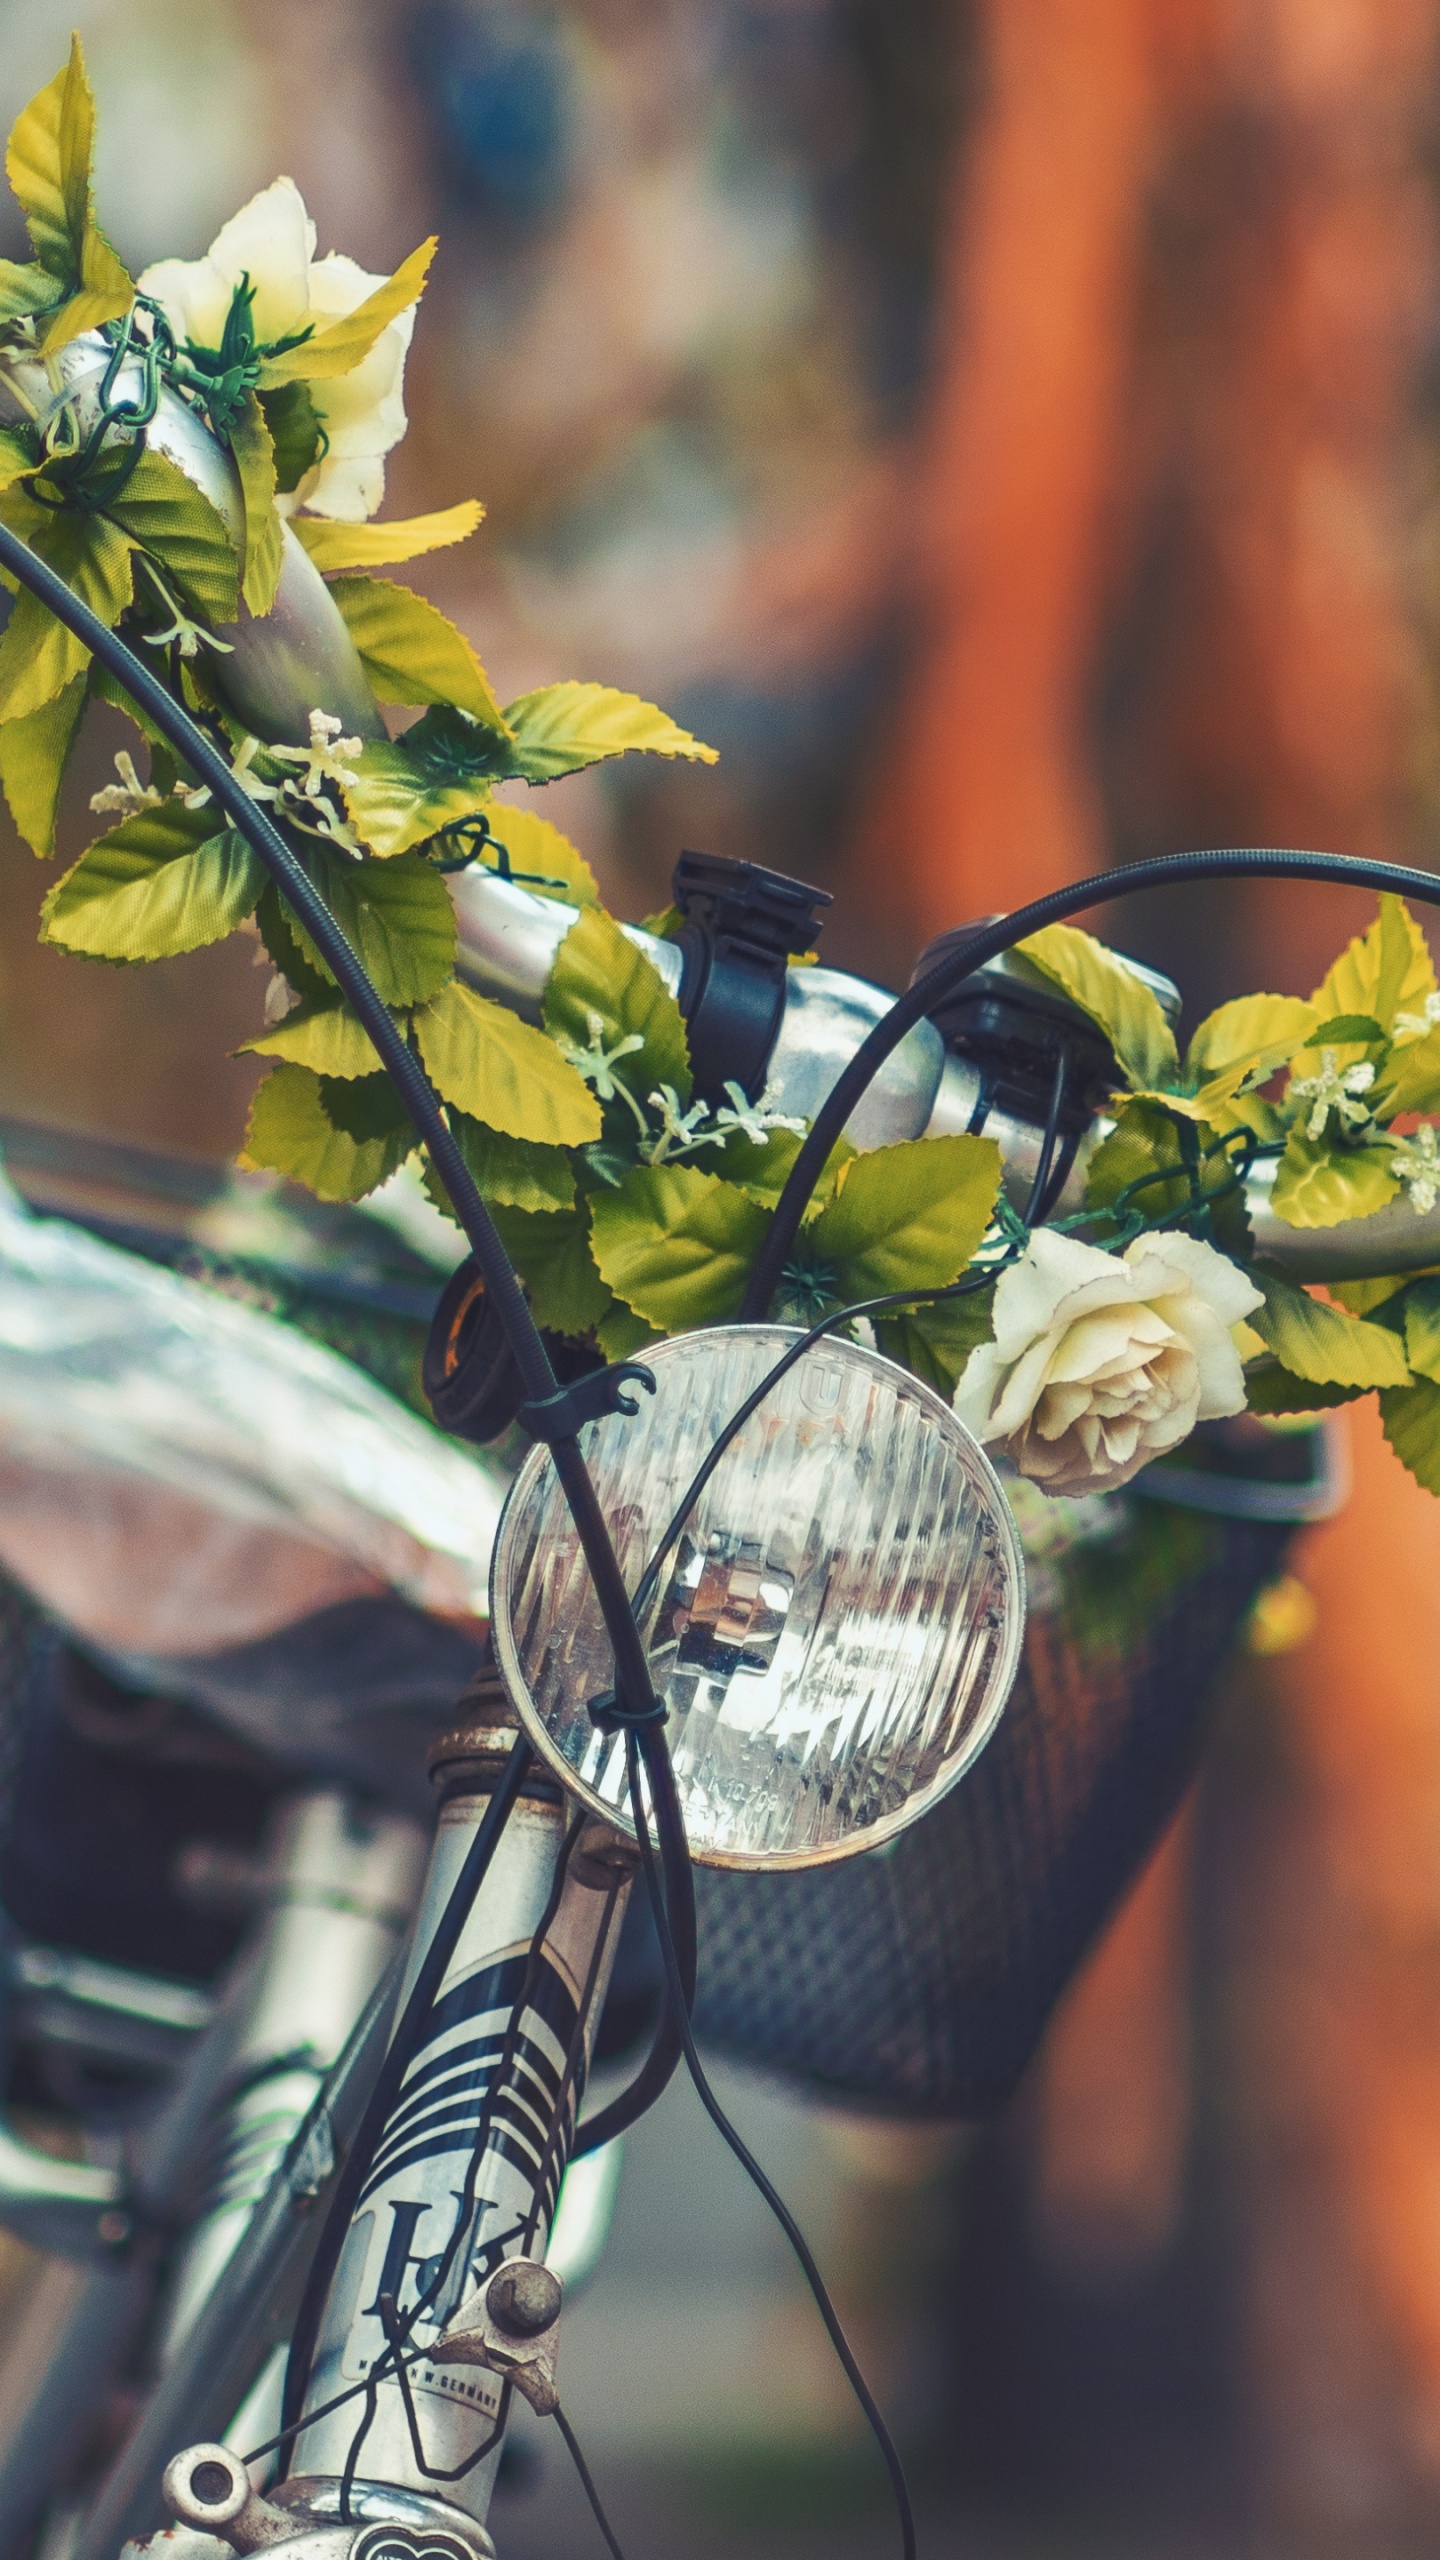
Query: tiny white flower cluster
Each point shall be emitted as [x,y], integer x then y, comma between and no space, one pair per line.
[1337,1089]
[1415,1162]
[681,1132]
[301,801]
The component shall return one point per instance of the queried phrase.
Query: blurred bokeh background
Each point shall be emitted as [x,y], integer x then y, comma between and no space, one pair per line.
[1008,430]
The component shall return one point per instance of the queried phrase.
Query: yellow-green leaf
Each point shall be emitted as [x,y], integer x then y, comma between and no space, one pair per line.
[295,431]
[539,855]
[1319,1343]
[393,805]
[1385,972]
[38,656]
[508,1172]
[335,546]
[1316,1185]
[339,347]
[503,1072]
[411,653]
[106,293]
[185,535]
[907,1215]
[1422,1328]
[47,162]
[254,450]
[33,755]
[676,1245]
[1411,1080]
[324,1037]
[164,882]
[553,1258]
[566,726]
[936,1342]
[15,456]
[1258,1031]
[292,1131]
[26,290]
[396,916]
[599,972]
[1142,1166]
[1122,1004]
[1411,1416]
[1272,1388]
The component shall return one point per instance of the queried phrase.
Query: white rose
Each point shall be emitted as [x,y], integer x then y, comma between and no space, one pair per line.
[1102,1361]
[272,241]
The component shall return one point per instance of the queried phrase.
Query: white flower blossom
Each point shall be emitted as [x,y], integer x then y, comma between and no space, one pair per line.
[1415,1025]
[596,1062]
[754,1120]
[129,795]
[328,758]
[1103,1361]
[1337,1089]
[271,241]
[1416,1163]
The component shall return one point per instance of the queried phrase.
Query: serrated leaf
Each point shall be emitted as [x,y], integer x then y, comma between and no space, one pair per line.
[1411,1416]
[507,1171]
[394,806]
[565,727]
[1272,1388]
[411,653]
[553,1258]
[1382,973]
[620,1333]
[599,971]
[1147,1147]
[1123,1005]
[936,1342]
[34,753]
[281,939]
[1316,1185]
[1412,1077]
[164,882]
[1320,1344]
[676,1245]
[907,1215]
[1422,1328]
[48,165]
[340,346]
[291,1131]
[374,546]
[1259,1030]
[26,290]
[325,1037]
[170,519]
[294,430]
[396,916]
[254,451]
[1360,1029]
[38,656]
[539,855]
[502,1071]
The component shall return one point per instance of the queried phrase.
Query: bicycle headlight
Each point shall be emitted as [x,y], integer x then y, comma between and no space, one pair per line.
[836,1631]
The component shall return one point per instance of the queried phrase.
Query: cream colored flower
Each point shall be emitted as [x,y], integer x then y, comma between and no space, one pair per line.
[272,241]
[1103,1361]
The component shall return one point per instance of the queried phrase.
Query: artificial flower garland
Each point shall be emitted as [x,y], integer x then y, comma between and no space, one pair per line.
[1084,1351]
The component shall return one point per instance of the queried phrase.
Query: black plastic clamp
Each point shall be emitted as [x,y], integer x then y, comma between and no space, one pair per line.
[600,1391]
[608,1715]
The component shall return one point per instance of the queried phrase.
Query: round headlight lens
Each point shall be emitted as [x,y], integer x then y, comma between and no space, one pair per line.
[836,1631]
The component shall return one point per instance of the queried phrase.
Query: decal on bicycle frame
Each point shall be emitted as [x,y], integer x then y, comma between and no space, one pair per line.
[415,2192]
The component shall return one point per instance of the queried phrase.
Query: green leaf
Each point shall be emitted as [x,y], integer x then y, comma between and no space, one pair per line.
[1346,1028]
[164,882]
[282,940]
[294,430]
[411,653]
[1360,1296]
[396,916]
[599,971]
[1316,1184]
[503,1072]
[1422,1328]
[1271,1388]
[38,656]
[566,726]
[1260,1030]
[547,861]
[292,1131]
[1103,987]
[1320,1344]
[936,1342]
[339,347]
[553,1258]
[1412,1077]
[1411,1416]
[907,1216]
[620,1333]
[507,1171]
[16,458]
[372,546]
[1385,973]
[34,753]
[676,1245]
[324,1037]
[394,805]
[170,519]
[26,290]
[1149,1146]
[48,165]
[254,451]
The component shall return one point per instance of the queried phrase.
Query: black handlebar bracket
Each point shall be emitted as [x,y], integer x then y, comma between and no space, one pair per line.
[742,927]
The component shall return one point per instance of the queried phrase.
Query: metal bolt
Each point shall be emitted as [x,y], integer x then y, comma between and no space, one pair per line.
[205,2486]
[523,2298]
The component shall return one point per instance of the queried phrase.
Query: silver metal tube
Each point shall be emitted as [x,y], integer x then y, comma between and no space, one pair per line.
[407,2217]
